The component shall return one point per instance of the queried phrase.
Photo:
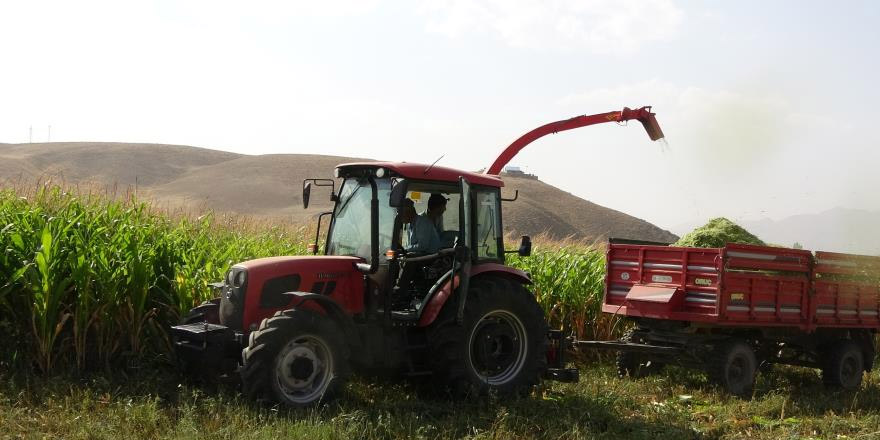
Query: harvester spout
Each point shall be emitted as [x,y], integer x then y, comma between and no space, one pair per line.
[648,120]
[643,115]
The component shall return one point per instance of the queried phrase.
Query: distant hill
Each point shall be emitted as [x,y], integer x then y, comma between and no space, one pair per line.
[270,185]
[836,230]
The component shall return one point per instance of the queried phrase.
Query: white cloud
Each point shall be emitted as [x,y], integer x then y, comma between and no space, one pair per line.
[558,24]
[738,152]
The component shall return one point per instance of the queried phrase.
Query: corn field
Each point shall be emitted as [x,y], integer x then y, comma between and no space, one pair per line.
[90,282]
[568,283]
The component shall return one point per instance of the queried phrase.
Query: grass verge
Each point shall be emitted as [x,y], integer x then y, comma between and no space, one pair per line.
[678,404]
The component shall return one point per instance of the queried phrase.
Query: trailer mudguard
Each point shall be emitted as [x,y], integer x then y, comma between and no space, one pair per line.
[435,304]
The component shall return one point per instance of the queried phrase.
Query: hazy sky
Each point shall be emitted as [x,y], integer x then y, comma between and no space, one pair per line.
[770,108]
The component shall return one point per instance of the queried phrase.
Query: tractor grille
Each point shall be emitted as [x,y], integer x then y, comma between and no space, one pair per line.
[232,298]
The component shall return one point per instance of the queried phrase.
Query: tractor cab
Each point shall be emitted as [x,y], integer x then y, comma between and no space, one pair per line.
[368,222]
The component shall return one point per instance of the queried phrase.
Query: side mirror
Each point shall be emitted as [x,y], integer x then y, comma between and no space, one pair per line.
[525,246]
[398,193]
[307,191]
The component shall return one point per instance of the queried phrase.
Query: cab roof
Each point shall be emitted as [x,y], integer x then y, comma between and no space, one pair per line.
[416,171]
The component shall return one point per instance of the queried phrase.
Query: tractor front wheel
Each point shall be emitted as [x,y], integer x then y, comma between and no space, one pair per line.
[296,358]
[500,345]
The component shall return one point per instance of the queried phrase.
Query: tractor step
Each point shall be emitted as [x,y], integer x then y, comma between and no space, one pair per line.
[405,315]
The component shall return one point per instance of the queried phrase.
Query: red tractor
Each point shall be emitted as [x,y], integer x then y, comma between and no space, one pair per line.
[294,327]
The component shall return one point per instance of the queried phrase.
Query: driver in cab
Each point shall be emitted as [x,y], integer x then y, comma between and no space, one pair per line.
[422,233]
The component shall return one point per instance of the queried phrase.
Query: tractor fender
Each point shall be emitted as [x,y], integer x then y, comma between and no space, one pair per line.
[330,308]
[435,304]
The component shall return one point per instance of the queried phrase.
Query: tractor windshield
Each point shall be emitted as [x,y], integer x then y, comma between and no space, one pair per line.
[350,231]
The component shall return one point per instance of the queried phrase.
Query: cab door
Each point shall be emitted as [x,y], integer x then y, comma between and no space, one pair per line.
[463,246]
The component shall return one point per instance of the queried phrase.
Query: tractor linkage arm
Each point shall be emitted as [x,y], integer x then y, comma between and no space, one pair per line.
[643,115]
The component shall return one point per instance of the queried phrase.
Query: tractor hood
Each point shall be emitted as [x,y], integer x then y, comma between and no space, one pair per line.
[256,289]
[312,263]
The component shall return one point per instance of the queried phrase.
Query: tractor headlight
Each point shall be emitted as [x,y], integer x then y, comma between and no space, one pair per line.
[380,172]
[239,279]
[336,172]
[229,277]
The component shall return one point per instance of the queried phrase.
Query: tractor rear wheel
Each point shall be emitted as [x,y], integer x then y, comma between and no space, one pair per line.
[733,366]
[844,366]
[501,344]
[296,358]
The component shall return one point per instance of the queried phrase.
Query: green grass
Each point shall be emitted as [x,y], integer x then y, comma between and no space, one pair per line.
[678,404]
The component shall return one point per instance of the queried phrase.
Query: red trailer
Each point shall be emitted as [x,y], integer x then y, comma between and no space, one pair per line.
[730,310]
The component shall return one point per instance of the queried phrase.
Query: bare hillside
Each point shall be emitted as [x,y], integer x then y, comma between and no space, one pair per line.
[270,185]
[542,207]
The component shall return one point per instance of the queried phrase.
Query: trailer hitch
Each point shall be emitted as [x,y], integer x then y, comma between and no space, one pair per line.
[559,345]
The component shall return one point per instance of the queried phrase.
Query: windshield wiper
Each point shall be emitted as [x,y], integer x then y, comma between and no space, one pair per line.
[345,203]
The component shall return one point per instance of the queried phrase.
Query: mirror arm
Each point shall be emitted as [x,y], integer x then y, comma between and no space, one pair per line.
[318,231]
[515,196]
[323,182]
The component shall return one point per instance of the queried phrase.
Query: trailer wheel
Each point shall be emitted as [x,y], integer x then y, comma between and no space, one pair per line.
[844,366]
[296,358]
[501,344]
[734,366]
[633,364]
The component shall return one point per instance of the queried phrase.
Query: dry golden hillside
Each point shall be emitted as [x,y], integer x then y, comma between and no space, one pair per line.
[270,185]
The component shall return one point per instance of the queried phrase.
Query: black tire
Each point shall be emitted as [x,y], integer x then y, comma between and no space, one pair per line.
[501,344]
[633,364]
[844,366]
[296,358]
[733,366]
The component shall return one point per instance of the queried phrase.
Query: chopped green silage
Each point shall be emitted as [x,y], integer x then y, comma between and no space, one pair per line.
[717,233]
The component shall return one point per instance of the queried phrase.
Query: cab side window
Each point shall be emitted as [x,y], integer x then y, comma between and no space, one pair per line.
[488,227]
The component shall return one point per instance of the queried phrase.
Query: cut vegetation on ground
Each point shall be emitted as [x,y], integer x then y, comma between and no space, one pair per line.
[678,404]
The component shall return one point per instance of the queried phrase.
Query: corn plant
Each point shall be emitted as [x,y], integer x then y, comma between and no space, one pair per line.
[91,281]
[569,283]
